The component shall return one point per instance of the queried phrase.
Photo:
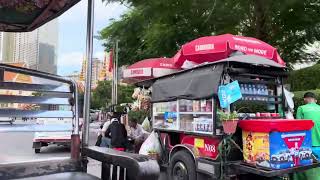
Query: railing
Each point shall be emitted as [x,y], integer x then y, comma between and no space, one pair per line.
[49,90]
[37,92]
[117,165]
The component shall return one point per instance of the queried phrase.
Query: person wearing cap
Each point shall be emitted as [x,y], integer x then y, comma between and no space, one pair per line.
[311,110]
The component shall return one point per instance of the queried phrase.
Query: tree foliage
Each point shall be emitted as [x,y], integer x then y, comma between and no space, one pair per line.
[305,79]
[101,96]
[156,28]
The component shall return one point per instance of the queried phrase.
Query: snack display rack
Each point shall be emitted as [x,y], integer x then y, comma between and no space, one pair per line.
[190,116]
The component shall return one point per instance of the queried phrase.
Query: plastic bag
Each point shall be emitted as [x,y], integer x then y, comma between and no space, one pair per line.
[151,144]
[146,125]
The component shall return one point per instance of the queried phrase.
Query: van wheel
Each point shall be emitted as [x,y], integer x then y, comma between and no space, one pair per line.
[36,151]
[182,166]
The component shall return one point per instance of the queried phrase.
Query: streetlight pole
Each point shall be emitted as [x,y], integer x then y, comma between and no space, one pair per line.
[115,74]
[87,94]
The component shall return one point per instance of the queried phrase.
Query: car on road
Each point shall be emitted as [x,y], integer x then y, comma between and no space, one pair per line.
[60,137]
[7,120]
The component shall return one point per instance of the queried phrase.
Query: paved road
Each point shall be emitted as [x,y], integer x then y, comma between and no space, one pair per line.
[17,147]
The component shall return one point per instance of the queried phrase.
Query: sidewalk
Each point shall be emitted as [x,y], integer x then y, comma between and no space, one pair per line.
[94,168]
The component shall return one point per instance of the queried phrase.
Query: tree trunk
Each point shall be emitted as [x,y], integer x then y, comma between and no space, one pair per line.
[260,16]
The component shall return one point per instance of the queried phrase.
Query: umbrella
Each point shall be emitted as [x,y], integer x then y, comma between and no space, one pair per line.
[214,48]
[150,68]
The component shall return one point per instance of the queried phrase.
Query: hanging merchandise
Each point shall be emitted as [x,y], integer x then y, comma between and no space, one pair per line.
[136,93]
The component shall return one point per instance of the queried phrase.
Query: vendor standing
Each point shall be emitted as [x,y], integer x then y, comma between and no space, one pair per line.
[311,110]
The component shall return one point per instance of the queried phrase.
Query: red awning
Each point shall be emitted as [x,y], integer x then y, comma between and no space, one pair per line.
[150,68]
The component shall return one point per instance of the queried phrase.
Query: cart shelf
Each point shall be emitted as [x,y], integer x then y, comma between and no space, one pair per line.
[271,96]
[209,113]
[247,168]
[260,101]
[186,113]
[244,80]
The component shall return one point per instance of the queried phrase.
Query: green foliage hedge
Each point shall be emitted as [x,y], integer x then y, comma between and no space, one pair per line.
[298,97]
[305,79]
[138,115]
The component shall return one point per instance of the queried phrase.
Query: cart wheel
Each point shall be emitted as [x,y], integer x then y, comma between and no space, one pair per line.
[182,166]
[36,151]
[274,159]
[281,158]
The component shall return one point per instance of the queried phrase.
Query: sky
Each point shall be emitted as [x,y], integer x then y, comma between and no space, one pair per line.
[72,33]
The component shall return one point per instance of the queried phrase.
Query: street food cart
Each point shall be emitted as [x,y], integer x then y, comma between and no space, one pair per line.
[186,118]
[25,16]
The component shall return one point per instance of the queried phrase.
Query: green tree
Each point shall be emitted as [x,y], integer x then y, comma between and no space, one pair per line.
[156,28]
[101,96]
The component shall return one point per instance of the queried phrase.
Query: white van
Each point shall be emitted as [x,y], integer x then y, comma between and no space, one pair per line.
[60,133]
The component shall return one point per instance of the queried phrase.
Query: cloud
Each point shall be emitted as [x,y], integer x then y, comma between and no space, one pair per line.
[72,33]
[103,12]
[69,62]
[99,55]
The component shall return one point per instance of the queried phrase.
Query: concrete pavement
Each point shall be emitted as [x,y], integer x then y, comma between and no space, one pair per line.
[17,147]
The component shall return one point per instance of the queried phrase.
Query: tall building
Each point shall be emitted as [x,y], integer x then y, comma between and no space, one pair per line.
[37,49]
[48,47]
[97,67]
[105,74]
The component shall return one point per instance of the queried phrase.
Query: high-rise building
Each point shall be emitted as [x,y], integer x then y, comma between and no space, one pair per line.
[37,49]
[97,67]
[48,47]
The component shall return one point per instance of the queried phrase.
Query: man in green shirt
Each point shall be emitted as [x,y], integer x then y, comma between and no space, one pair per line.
[311,110]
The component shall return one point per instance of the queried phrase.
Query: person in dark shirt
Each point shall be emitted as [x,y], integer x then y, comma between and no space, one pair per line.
[117,133]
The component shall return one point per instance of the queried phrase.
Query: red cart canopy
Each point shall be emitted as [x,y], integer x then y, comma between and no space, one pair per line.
[213,48]
[150,68]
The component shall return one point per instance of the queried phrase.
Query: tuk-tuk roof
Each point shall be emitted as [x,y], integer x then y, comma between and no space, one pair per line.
[23,16]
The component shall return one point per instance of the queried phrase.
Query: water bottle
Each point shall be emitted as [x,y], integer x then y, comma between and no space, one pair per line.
[254,92]
[259,98]
[265,92]
[246,91]
[250,91]
[242,91]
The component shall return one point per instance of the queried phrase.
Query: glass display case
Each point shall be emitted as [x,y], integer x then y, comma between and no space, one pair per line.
[194,116]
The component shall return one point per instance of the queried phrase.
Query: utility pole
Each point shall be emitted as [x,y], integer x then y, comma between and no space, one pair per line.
[87,94]
[115,74]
